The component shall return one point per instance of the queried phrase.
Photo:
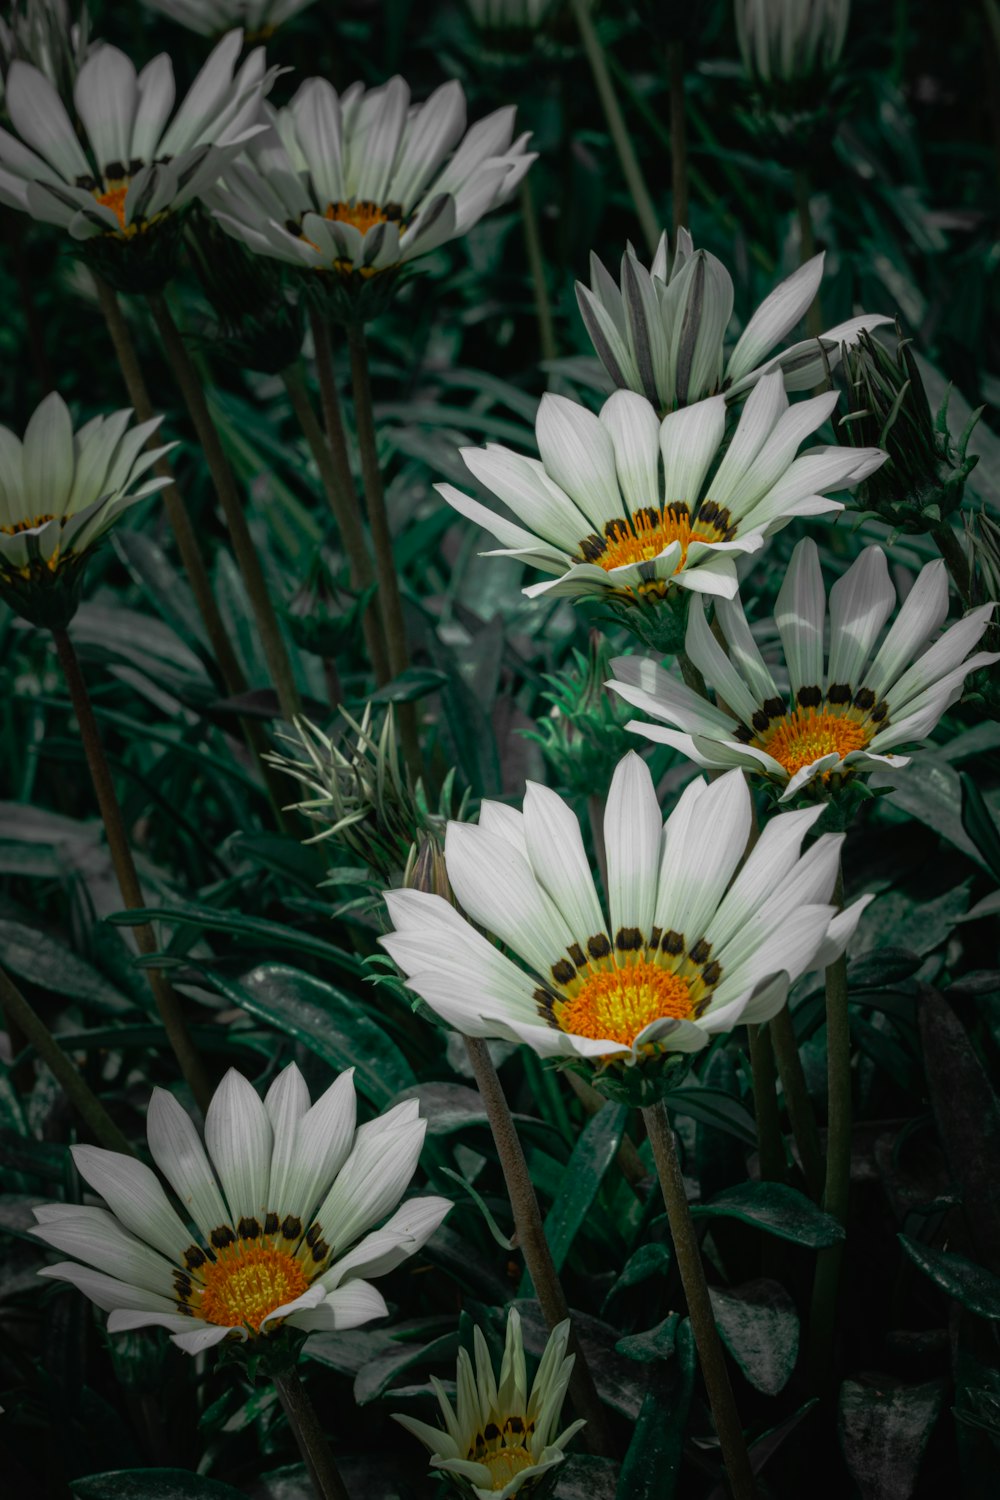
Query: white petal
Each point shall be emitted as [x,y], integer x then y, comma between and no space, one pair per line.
[635,430]
[370,1183]
[632,830]
[48,458]
[99,1240]
[135,1197]
[105,1292]
[239,1138]
[380,1252]
[204,1338]
[800,613]
[701,854]
[716,667]
[560,864]
[689,441]
[498,890]
[922,614]
[776,316]
[105,95]
[41,120]
[860,603]
[346,1307]
[578,453]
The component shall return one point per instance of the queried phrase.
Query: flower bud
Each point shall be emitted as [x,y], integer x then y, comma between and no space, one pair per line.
[44,35]
[790,49]
[922,482]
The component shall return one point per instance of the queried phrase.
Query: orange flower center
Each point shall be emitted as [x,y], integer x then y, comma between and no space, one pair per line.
[615,1005]
[241,1289]
[802,737]
[29,525]
[114,199]
[646,534]
[364,214]
[504,1464]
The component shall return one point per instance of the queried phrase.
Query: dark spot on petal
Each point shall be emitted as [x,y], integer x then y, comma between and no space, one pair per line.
[654,937]
[760,721]
[838,692]
[222,1237]
[271,1223]
[492,1432]
[617,530]
[248,1229]
[563,972]
[514,1425]
[598,946]
[628,940]
[320,1251]
[673,942]
[864,698]
[194,1257]
[711,972]
[701,952]
[291,1227]
[576,953]
[880,711]
[647,514]
[742,734]
[313,1235]
[592,547]
[809,697]
[774,708]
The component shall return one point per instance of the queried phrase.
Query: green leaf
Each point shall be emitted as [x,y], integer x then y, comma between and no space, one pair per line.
[211,919]
[883,1428]
[327,1021]
[973,1286]
[652,1463]
[152,1484]
[654,1344]
[759,1326]
[980,824]
[506,1242]
[414,683]
[34,955]
[714,1107]
[590,1159]
[651,1259]
[375,1378]
[776,1209]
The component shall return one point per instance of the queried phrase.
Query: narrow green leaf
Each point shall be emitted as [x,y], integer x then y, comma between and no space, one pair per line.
[653,1461]
[590,1159]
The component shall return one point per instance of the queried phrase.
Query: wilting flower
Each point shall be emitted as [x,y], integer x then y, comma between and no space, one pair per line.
[624,506]
[502,1438]
[924,478]
[259,18]
[685,950]
[121,179]
[786,42]
[663,333]
[288,1191]
[60,491]
[361,183]
[819,725]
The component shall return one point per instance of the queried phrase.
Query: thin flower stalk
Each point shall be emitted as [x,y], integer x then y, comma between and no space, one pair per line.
[531,1238]
[678,134]
[536,264]
[167,1002]
[797,1100]
[95,1117]
[631,170]
[770,1142]
[189,384]
[710,1354]
[308,1433]
[807,245]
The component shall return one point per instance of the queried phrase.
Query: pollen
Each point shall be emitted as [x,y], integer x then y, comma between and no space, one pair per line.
[617,1004]
[242,1288]
[802,737]
[364,214]
[114,199]
[31,524]
[504,1464]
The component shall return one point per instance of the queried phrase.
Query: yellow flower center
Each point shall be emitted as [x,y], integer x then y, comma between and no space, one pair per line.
[241,1289]
[505,1464]
[802,737]
[647,533]
[615,1005]
[364,214]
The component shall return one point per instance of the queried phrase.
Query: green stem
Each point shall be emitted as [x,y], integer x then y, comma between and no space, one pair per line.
[797,1100]
[706,1335]
[595,813]
[836,1190]
[86,1103]
[309,1435]
[167,1002]
[536,264]
[678,134]
[378,518]
[807,244]
[531,1239]
[770,1143]
[947,542]
[344,504]
[189,383]
[631,169]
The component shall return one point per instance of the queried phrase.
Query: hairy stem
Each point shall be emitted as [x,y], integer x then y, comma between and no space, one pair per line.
[631,170]
[86,1103]
[706,1335]
[378,519]
[536,264]
[167,1002]
[678,134]
[531,1239]
[190,386]
[309,1435]
[797,1100]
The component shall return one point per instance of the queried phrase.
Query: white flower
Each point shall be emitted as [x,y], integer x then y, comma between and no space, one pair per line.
[501,16]
[364,181]
[258,18]
[623,505]
[786,41]
[685,951]
[664,335]
[126,168]
[60,491]
[815,722]
[293,1189]
[501,1438]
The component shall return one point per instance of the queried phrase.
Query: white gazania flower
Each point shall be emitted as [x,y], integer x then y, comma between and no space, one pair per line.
[364,181]
[663,334]
[624,505]
[289,1190]
[126,168]
[815,723]
[501,1439]
[684,951]
[784,41]
[60,491]
[258,18]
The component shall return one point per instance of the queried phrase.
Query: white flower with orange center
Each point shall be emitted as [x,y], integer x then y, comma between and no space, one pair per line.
[501,1436]
[829,714]
[122,168]
[275,1223]
[688,946]
[364,181]
[624,505]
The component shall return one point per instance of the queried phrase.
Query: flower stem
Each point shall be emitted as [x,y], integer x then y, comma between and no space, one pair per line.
[706,1335]
[836,1190]
[797,1100]
[536,264]
[532,1241]
[631,170]
[343,503]
[807,244]
[309,1435]
[678,134]
[595,813]
[86,1103]
[189,383]
[770,1144]
[378,519]
[947,542]
[167,1002]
